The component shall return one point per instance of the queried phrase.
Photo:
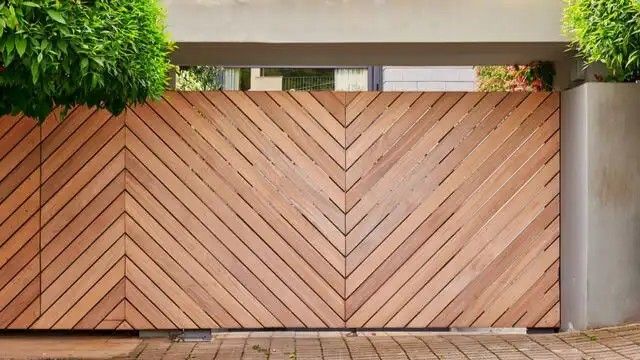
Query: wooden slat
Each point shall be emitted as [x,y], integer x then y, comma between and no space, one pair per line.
[362,163]
[360,183]
[82,205]
[139,304]
[443,202]
[225,271]
[90,301]
[19,222]
[333,168]
[235,234]
[82,165]
[284,210]
[417,270]
[8,122]
[257,170]
[135,319]
[418,183]
[71,144]
[110,307]
[192,285]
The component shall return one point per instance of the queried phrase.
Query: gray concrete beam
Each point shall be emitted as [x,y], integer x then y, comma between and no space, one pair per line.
[365,32]
[365,21]
[368,54]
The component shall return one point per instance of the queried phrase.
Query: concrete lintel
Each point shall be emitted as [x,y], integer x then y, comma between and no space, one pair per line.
[368,54]
[365,21]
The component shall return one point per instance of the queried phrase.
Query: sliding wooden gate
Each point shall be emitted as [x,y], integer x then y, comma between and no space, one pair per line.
[274,209]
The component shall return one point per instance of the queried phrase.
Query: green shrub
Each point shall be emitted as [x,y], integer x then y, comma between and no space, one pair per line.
[537,76]
[606,31]
[105,53]
[494,78]
[199,78]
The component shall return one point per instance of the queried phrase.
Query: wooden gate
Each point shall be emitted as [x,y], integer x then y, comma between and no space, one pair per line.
[276,209]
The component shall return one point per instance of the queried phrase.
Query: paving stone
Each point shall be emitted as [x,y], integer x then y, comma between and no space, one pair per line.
[609,344]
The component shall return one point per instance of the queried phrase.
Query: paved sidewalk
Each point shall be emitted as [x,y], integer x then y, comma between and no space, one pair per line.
[611,343]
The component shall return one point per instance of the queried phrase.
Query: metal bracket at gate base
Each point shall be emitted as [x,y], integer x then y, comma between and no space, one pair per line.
[488,330]
[179,336]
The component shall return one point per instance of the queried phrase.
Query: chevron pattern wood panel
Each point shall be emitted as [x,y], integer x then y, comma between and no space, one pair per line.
[285,210]
[452,210]
[245,224]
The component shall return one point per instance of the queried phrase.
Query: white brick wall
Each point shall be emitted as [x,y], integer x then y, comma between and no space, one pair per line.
[429,78]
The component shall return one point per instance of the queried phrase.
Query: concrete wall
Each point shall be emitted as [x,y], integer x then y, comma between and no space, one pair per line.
[429,78]
[264,83]
[573,204]
[365,32]
[365,21]
[600,187]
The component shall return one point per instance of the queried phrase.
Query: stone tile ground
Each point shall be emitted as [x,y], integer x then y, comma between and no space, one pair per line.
[611,343]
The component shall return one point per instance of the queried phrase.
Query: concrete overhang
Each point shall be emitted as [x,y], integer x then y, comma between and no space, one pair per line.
[366,32]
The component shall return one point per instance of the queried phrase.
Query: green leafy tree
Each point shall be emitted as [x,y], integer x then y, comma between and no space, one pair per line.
[63,53]
[606,31]
[199,78]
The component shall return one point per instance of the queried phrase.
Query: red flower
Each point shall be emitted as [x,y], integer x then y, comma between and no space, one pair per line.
[537,84]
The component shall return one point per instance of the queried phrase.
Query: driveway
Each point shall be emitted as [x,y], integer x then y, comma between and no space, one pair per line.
[610,343]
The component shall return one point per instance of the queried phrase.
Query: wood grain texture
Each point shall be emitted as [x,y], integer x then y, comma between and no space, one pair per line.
[284,210]
[19,222]
[453,218]
[83,235]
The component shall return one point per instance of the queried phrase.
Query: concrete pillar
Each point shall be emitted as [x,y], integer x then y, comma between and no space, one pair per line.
[600,206]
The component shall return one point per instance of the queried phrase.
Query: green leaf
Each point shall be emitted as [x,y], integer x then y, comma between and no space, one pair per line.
[35,73]
[8,59]
[82,52]
[56,16]
[63,46]
[21,45]
[9,45]
[84,63]
[634,57]
[94,81]
[606,31]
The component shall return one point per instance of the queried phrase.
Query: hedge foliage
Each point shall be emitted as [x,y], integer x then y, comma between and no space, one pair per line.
[62,53]
[199,78]
[606,31]
[537,76]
